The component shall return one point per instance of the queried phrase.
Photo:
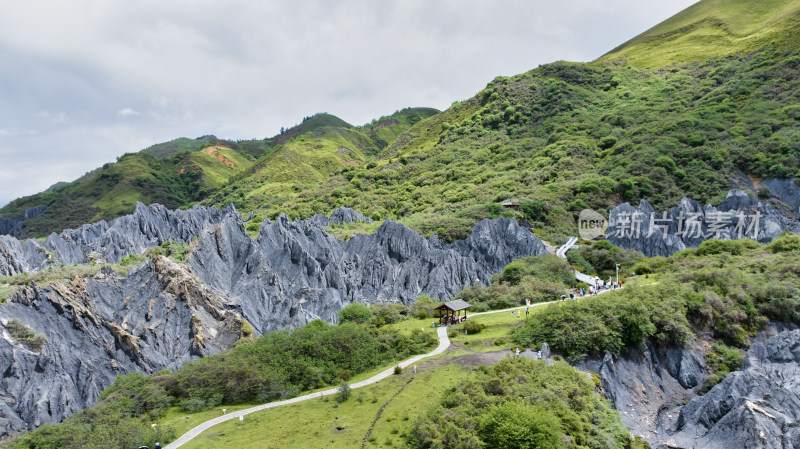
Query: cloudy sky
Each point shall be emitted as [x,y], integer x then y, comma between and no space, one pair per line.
[84,81]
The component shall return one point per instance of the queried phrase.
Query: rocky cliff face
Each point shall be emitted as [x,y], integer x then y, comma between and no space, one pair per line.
[787,191]
[649,388]
[162,314]
[95,329]
[295,272]
[689,224]
[10,226]
[146,227]
[757,407]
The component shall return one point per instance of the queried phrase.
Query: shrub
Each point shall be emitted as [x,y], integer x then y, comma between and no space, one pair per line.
[473,327]
[398,370]
[511,274]
[734,247]
[786,243]
[355,312]
[343,392]
[25,335]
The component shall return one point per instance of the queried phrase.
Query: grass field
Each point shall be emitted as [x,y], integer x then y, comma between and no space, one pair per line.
[714,28]
[324,423]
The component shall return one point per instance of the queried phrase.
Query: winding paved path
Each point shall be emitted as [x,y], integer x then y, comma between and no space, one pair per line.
[444,343]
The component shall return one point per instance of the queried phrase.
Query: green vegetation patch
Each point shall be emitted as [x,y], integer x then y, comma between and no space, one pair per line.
[538,278]
[277,365]
[729,290]
[25,335]
[517,403]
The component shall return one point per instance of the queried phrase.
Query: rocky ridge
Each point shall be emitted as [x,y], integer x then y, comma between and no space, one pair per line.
[146,227]
[159,316]
[10,226]
[295,271]
[689,224]
[163,313]
[756,407]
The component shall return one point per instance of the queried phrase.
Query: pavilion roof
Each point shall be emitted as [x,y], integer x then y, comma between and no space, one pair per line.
[456,305]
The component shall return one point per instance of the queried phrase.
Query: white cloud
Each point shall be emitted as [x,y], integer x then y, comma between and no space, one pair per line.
[127,112]
[243,69]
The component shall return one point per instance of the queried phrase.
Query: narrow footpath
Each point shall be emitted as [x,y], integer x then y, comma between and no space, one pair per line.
[444,343]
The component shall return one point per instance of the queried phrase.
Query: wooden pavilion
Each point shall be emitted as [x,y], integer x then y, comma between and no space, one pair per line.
[510,205]
[450,312]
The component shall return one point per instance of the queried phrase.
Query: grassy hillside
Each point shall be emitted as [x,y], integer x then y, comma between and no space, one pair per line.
[386,130]
[712,28]
[175,146]
[184,171]
[308,124]
[114,189]
[297,164]
[566,136]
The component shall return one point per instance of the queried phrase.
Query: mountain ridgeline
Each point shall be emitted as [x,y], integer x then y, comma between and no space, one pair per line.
[570,136]
[183,172]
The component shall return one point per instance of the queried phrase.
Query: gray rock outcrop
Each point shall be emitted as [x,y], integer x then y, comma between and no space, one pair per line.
[10,226]
[787,191]
[757,407]
[159,316]
[689,224]
[163,314]
[649,387]
[146,227]
[295,272]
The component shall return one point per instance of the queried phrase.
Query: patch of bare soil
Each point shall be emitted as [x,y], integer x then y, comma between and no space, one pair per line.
[481,358]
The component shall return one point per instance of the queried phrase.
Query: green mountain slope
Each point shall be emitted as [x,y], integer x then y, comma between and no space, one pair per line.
[320,146]
[113,190]
[714,28]
[184,171]
[175,146]
[567,136]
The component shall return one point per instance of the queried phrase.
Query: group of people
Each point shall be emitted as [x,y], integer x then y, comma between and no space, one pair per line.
[593,289]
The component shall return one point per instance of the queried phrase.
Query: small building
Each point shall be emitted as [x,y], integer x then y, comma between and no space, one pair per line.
[510,205]
[450,312]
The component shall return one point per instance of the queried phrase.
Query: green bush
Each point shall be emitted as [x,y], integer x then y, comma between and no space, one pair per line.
[520,403]
[25,335]
[343,392]
[594,326]
[355,312]
[786,243]
[734,247]
[473,327]
[720,361]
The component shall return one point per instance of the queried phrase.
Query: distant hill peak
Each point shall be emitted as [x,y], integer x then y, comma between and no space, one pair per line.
[712,28]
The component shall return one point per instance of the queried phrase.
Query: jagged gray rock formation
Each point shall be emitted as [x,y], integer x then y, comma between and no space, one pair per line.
[295,272]
[146,227]
[648,387]
[690,224]
[157,317]
[785,190]
[757,407]
[10,226]
[162,314]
